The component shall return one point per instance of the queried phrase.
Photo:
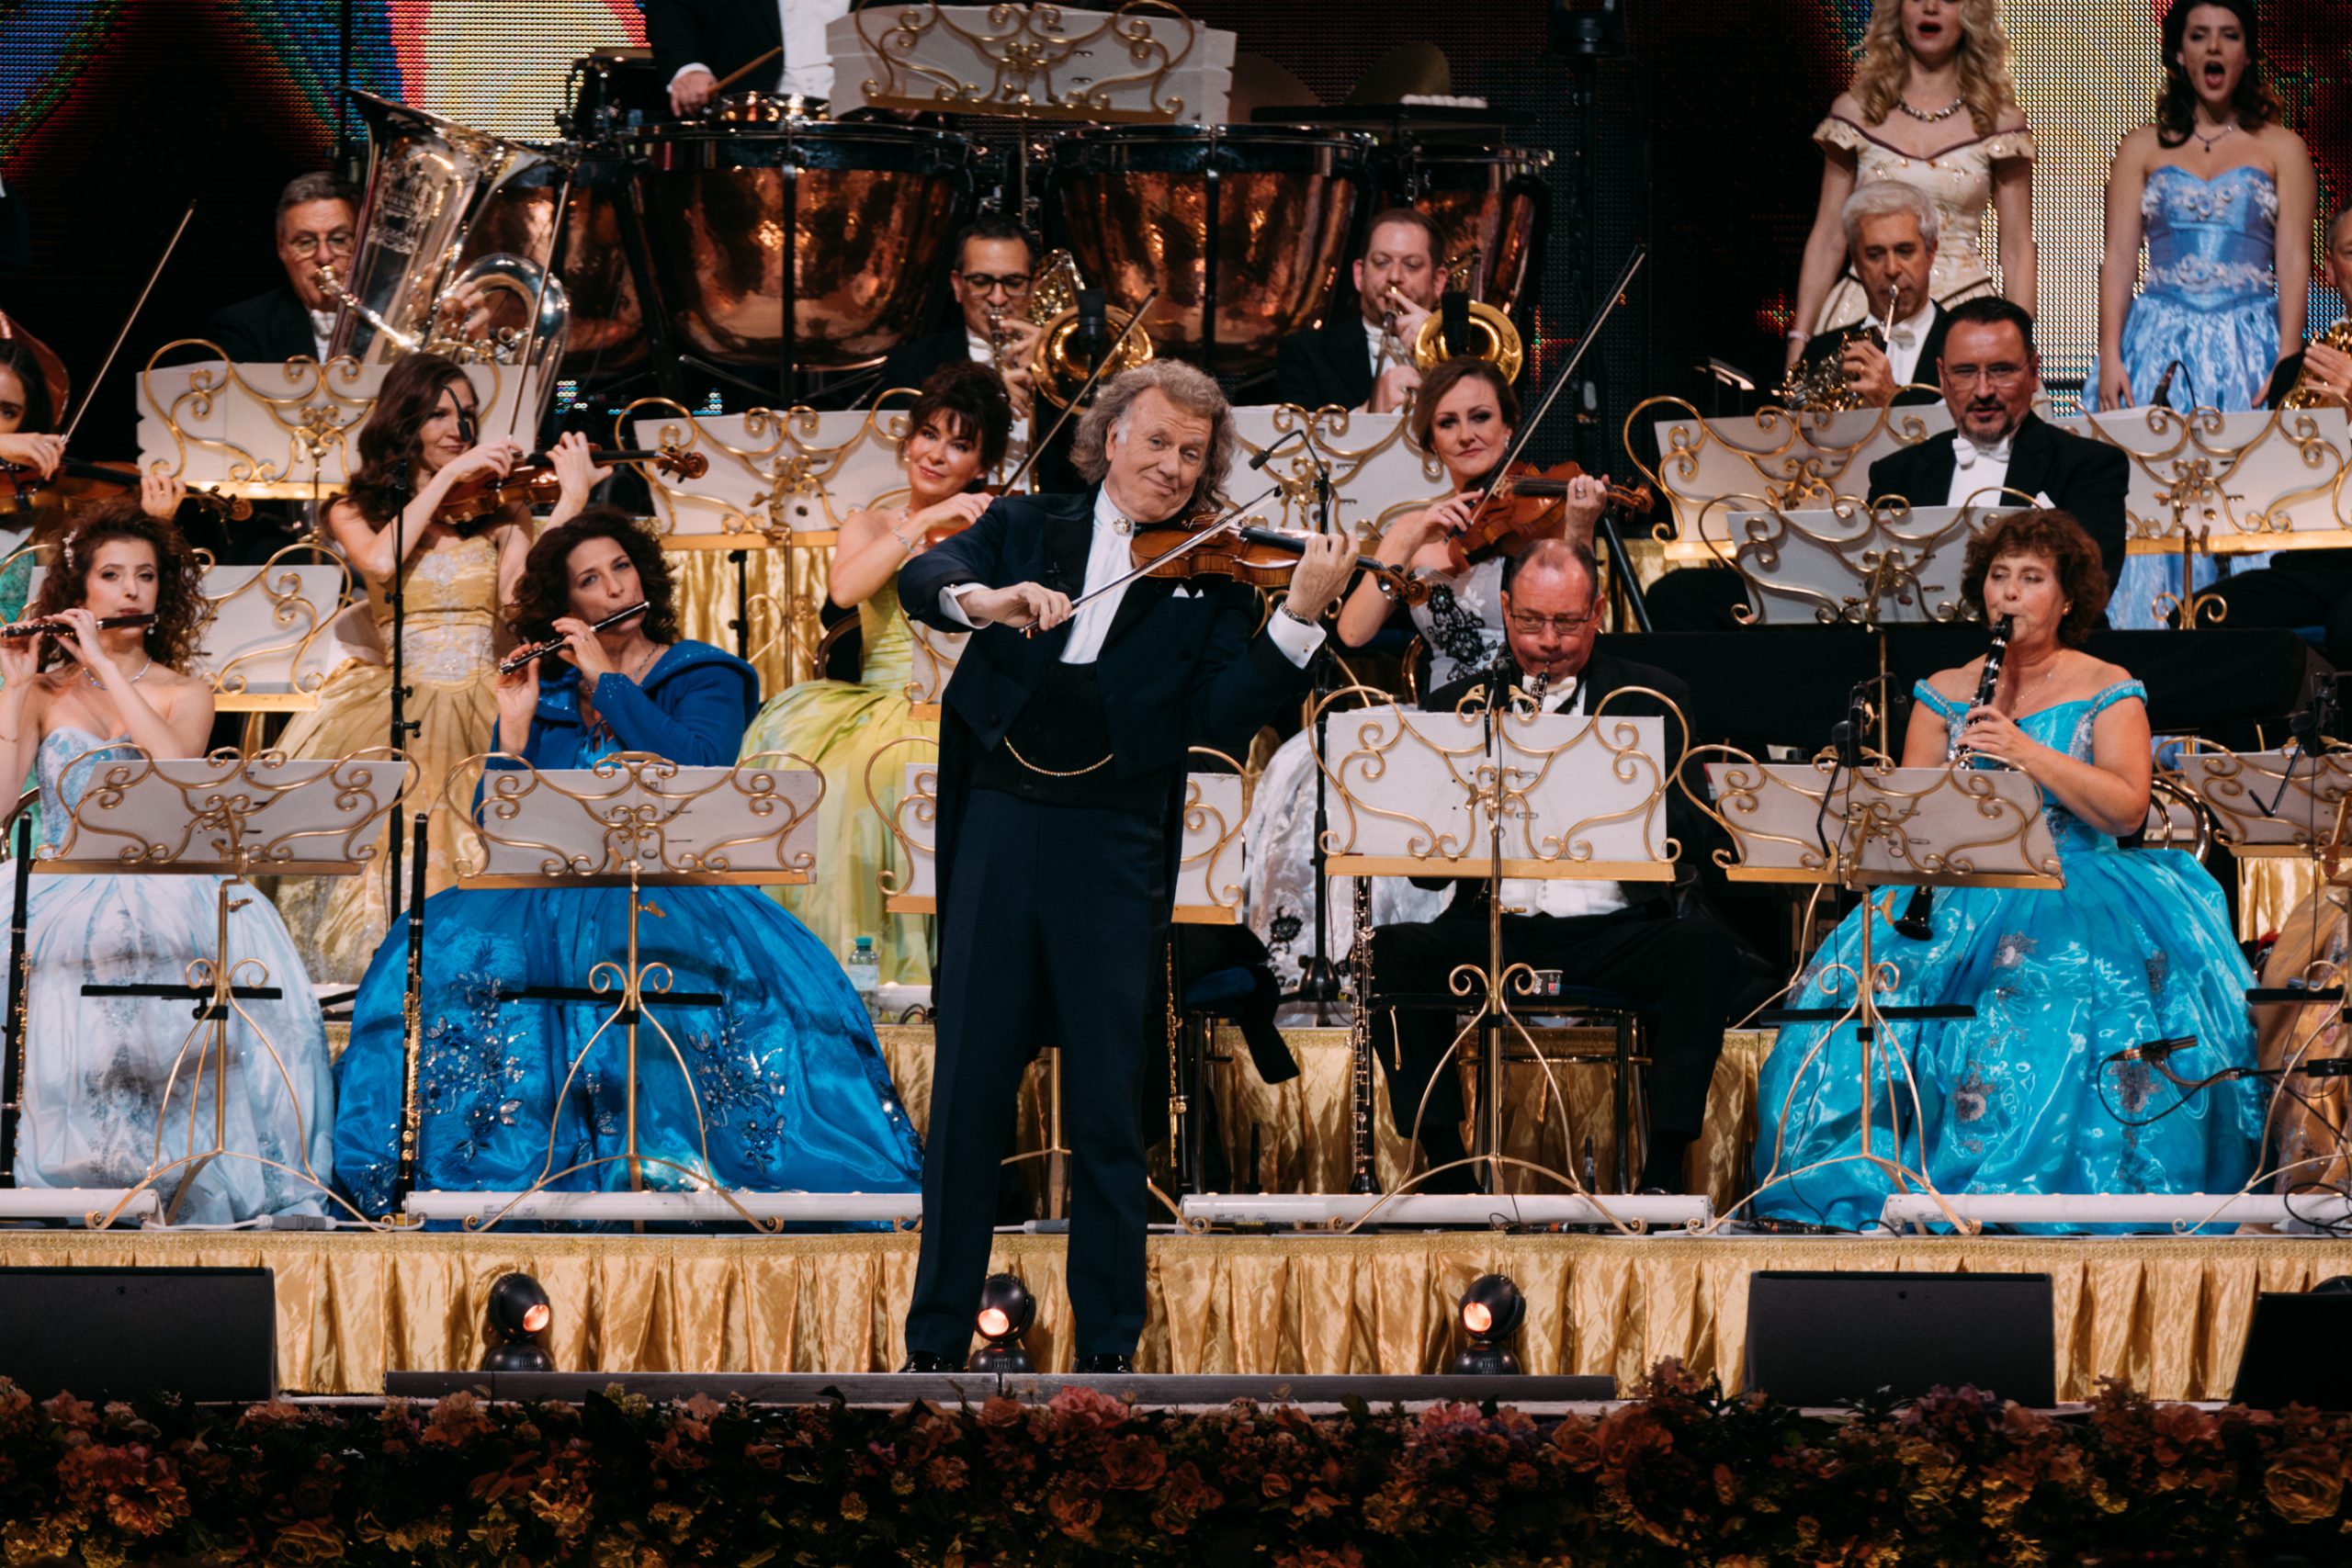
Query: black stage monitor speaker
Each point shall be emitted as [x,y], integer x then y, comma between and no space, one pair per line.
[1836,1338]
[209,1335]
[2294,1353]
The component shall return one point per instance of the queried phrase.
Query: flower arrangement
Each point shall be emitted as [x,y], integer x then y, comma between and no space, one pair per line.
[1682,1473]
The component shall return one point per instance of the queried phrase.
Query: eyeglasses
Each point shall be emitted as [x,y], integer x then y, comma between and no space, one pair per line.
[1559,626]
[2002,375]
[311,244]
[981,283]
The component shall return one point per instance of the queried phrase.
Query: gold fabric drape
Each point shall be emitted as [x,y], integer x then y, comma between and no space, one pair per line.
[2168,1313]
[779,579]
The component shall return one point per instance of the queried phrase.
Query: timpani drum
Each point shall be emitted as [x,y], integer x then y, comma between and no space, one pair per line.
[1242,227]
[842,231]
[1492,200]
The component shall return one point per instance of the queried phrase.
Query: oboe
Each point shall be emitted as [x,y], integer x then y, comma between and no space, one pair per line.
[1916,922]
[59,624]
[524,655]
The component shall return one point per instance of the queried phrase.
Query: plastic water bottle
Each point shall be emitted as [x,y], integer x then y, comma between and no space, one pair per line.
[865,972]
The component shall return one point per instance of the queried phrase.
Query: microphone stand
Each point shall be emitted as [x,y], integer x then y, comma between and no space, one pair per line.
[1319,978]
[396,596]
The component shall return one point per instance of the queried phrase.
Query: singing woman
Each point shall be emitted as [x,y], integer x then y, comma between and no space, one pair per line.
[95,1096]
[1932,105]
[419,444]
[2031,1094]
[782,1076]
[957,430]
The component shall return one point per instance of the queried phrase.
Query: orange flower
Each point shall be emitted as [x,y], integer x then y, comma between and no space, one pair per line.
[306,1543]
[1134,1464]
[2303,1487]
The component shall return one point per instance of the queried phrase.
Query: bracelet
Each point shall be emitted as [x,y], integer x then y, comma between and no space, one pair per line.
[904,542]
[1798,334]
[1308,621]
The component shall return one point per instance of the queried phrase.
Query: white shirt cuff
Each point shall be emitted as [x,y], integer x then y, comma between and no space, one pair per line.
[951,603]
[1297,641]
[698,65]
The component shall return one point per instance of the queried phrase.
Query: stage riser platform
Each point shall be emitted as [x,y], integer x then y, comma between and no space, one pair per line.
[2167,1314]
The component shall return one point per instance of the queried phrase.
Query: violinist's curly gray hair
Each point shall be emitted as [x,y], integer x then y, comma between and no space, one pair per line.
[1191,390]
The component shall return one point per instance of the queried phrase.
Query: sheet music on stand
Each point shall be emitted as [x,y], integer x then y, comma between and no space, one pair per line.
[1855,564]
[1784,460]
[637,819]
[1376,470]
[2268,479]
[2267,804]
[1140,65]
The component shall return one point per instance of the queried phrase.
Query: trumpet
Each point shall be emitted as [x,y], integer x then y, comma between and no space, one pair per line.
[528,652]
[2308,393]
[59,624]
[996,339]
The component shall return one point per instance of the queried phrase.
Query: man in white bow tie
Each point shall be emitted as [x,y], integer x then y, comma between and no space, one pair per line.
[2000,448]
[1891,231]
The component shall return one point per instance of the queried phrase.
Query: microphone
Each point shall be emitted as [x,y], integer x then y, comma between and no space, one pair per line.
[1266,457]
[1091,335]
[2154,1051]
[466,427]
[2163,396]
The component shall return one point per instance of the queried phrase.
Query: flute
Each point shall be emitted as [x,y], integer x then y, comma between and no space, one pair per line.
[524,655]
[41,623]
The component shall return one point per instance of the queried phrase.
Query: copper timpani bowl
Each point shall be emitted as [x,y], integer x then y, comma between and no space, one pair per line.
[842,230]
[1135,205]
[1492,200]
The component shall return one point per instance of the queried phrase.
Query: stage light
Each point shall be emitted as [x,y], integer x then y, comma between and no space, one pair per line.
[1007,1309]
[517,1312]
[1490,1313]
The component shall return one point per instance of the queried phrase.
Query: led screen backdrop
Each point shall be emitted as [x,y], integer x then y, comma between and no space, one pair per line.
[114,113]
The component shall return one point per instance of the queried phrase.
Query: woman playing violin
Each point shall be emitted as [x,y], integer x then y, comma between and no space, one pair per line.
[955,436]
[417,449]
[1467,416]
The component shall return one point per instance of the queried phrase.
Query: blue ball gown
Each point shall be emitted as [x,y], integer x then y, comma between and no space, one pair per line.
[787,1071]
[2211,302]
[96,1066]
[2136,947]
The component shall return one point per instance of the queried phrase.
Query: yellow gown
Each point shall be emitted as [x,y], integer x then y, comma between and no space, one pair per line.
[337,922]
[839,725]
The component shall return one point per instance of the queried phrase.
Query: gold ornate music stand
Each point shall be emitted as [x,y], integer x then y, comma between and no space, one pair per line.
[233,818]
[1862,824]
[639,822]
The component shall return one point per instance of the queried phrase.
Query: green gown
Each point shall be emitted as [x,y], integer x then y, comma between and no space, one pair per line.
[840,726]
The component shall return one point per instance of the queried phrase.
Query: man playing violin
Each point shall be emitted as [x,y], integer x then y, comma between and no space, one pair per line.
[1364,359]
[1062,761]
[1683,967]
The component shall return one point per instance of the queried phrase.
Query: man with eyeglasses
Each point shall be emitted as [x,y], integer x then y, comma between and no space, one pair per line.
[1990,375]
[1681,966]
[317,224]
[994,272]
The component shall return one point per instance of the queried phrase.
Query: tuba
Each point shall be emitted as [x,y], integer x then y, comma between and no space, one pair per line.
[413,288]
[2306,394]
[1053,368]
[1497,340]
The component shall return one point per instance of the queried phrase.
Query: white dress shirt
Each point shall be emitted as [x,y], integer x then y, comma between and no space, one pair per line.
[808,65]
[321,329]
[1376,344]
[1904,340]
[1975,469]
[1108,559]
[1563,897]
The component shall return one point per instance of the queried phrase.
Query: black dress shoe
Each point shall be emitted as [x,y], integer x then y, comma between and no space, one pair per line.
[929,1361]
[1100,1366]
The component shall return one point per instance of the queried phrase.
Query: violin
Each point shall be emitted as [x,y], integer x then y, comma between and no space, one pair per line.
[1526,499]
[1262,557]
[479,503]
[76,483]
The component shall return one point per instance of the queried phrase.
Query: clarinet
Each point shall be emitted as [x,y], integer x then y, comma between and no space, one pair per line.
[1916,923]
[1361,1178]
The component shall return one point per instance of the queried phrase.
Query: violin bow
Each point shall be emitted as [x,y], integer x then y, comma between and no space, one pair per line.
[1591,330]
[1224,524]
[91,391]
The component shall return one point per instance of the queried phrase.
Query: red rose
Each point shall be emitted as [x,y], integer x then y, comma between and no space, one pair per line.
[1133,1464]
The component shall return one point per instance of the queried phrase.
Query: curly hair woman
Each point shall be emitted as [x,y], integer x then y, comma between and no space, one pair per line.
[778,1084]
[2031,1094]
[104,1080]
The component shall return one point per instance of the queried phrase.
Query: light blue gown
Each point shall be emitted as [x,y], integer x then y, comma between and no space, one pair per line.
[786,1075]
[96,1066]
[2211,302]
[2022,1098]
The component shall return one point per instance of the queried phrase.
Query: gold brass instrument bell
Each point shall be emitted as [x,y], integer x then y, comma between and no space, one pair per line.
[1495,338]
[1053,368]
[1823,384]
[2308,394]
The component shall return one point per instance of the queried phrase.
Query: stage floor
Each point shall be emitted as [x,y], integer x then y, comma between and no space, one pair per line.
[2166,1314]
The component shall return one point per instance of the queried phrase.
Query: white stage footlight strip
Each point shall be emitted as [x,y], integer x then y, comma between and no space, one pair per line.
[1657,1211]
[803,1208]
[74,1203]
[2213,1210]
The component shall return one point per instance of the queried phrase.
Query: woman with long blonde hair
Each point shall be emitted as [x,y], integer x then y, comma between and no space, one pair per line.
[1932,105]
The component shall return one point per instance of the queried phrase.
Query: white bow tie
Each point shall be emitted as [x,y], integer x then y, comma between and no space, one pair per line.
[1965,453]
[1901,336]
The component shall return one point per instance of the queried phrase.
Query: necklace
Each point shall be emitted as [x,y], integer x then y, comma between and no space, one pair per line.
[1924,117]
[96,685]
[2207,141]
